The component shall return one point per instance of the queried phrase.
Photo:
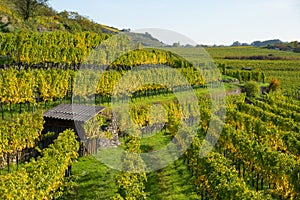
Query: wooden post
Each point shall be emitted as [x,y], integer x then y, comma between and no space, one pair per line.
[2,111]
[8,162]
[17,159]
[10,110]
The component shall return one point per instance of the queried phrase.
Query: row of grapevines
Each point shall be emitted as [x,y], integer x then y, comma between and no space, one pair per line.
[256,147]
[273,101]
[149,114]
[56,47]
[148,56]
[287,71]
[42,178]
[21,133]
[266,133]
[20,86]
[16,86]
[286,124]
[215,176]
[53,84]
[131,181]
[89,82]
[278,111]
[276,168]
[245,75]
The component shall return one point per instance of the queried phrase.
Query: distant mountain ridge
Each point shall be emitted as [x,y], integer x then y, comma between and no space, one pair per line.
[273,44]
[266,43]
[258,43]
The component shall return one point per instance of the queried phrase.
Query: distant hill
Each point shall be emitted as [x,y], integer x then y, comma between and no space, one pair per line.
[46,19]
[273,44]
[287,46]
[146,39]
[278,45]
[265,43]
[258,43]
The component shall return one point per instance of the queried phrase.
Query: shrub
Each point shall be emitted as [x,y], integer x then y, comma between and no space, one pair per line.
[252,89]
[274,85]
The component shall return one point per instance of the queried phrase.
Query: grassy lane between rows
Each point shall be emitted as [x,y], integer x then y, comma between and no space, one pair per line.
[93,180]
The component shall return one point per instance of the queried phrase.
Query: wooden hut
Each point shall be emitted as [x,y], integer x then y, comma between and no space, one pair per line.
[71,116]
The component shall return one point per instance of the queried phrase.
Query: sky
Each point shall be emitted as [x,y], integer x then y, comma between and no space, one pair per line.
[209,22]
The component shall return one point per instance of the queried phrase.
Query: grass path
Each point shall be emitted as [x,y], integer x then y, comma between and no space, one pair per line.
[94,180]
[172,182]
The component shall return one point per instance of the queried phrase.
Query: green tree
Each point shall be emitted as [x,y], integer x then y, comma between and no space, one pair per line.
[252,89]
[27,8]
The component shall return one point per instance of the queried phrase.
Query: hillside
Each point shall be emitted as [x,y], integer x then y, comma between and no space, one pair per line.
[289,46]
[146,39]
[45,19]
[276,44]
[265,43]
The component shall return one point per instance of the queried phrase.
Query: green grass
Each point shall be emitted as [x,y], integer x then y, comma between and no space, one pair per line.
[96,181]
[172,182]
[151,142]
[93,180]
[155,142]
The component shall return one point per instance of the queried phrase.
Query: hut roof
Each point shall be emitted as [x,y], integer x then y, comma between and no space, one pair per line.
[73,112]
